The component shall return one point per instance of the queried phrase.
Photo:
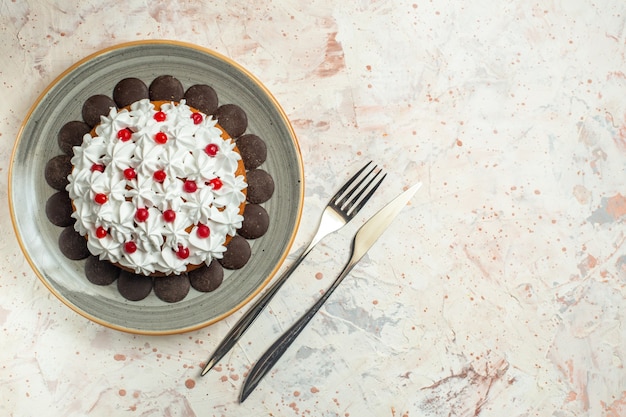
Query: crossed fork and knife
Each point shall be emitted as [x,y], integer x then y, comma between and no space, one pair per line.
[342,208]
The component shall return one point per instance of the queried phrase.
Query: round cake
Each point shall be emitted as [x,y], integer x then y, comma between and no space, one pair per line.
[157,188]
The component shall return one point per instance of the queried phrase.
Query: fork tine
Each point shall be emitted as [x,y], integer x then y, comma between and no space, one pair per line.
[352,211]
[341,200]
[348,201]
[348,183]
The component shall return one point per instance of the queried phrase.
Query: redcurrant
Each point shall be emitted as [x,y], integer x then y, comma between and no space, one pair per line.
[160,138]
[203,231]
[190,186]
[124,134]
[142,214]
[197,118]
[130,247]
[101,232]
[211,149]
[216,183]
[130,174]
[160,116]
[169,215]
[182,252]
[101,198]
[159,176]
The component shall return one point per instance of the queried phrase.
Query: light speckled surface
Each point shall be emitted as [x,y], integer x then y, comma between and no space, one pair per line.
[500,292]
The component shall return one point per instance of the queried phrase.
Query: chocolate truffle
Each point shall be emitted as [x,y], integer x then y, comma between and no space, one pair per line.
[166,87]
[71,134]
[128,91]
[100,272]
[207,278]
[255,222]
[56,171]
[72,244]
[260,186]
[237,253]
[96,106]
[134,287]
[171,289]
[59,209]
[232,119]
[202,97]
[253,150]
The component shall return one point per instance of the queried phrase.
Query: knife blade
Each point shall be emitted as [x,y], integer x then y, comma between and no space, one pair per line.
[363,240]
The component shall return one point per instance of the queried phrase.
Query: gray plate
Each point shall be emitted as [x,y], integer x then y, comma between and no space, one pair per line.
[62,102]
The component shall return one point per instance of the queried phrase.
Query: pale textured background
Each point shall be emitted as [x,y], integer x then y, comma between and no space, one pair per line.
[499,292]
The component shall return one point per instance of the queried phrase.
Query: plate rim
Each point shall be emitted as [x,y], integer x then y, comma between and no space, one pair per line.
[113,48]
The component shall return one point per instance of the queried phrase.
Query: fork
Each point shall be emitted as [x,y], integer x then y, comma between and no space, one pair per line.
[342,208]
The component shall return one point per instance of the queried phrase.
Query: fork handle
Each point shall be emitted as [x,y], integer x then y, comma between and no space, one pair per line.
[248,318]
[259,305]
[274,353]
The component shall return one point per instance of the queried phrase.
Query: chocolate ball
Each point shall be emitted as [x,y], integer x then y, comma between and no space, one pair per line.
[207,278]
[72,244]
[101,272]
[56,171]
[134,287]
[237,253]
[232,119]
[96,106]
[255,222]
[71,134]
[260,186]
[166,87]
[59,209]
[253,150]
[173,288]
[128,91]
[202,97]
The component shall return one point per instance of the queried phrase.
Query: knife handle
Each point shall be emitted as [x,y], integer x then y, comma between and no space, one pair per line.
[276,350]
[237,331]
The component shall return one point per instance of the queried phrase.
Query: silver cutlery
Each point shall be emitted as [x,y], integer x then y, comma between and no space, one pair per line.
[342,208]
[363,240]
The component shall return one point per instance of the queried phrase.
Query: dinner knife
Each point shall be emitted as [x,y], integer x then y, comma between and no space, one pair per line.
[362,242]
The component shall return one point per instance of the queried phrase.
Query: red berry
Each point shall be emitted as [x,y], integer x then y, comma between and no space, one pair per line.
[211,149]
[160,116]
[197,118]
[190,186]
[159,176]
[101,232]
[130,247]
[97,167]
[142,214]
[101,198]
[203,231]
[169,215]
[160,138]
[124,134]
[130,174]
[182,252]
[216,183]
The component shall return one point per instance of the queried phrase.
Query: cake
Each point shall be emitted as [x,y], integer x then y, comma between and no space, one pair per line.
[157,188]
[153,191]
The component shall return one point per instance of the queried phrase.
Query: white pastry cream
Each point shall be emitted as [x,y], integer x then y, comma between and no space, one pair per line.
[156,191]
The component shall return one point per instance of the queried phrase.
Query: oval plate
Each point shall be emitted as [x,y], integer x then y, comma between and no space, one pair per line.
[62,102]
